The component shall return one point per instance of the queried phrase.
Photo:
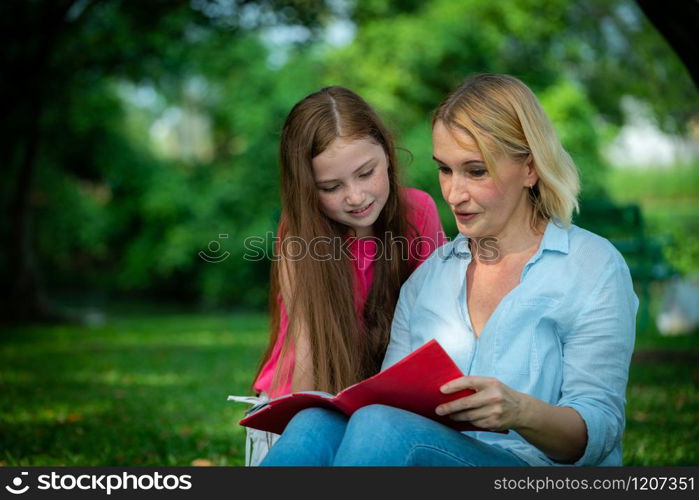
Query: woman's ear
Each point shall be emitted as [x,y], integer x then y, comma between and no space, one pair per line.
[531,173]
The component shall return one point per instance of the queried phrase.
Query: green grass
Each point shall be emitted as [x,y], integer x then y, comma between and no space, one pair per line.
[151,389]
[662,414]
[669,199]
[144,390]
[677,183]
[662,409]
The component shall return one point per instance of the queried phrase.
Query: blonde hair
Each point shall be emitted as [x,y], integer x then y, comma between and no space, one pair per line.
[502,114]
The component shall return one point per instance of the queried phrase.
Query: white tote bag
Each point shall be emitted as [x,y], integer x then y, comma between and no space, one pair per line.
[257,442]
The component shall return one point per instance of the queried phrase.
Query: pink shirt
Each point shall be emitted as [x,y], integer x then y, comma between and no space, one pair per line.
[422,215]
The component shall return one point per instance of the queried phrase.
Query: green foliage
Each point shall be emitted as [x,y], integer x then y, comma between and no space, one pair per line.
[683,252]
[115,213]
[616,51]
[576,122]
[449,40]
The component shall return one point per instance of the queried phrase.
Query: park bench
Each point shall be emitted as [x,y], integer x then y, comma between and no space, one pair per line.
[624,227]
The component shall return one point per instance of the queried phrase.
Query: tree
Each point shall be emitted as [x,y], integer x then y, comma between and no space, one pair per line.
[53,50]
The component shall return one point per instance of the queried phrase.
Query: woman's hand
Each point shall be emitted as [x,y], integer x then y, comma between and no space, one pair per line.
[558,431]
[494,406]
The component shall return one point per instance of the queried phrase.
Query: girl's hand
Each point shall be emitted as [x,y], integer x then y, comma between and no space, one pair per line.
[494,406]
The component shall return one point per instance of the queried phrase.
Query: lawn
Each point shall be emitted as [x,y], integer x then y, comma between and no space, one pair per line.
[662,410]
[150,389]
[143,390]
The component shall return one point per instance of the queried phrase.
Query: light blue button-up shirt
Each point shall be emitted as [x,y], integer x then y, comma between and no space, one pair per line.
[564,335]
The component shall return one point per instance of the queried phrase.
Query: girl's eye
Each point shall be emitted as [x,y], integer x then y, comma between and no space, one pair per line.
[367,174]
[444,170]
[478,172]
[329,190]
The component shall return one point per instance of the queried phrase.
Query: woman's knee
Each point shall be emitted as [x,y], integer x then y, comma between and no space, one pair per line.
[375,435]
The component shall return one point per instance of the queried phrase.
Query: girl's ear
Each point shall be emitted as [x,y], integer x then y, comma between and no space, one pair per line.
[532,176]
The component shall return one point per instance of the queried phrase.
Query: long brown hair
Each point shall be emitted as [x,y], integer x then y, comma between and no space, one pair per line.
[344,348]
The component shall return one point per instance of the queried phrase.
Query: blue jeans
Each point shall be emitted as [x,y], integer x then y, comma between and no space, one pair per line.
[378,435]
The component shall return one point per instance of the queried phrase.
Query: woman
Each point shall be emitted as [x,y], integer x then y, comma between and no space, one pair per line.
[538,313]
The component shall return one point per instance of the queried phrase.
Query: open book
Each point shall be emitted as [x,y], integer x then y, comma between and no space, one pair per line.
[411,384]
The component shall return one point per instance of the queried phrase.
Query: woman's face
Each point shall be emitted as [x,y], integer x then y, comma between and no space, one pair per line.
[483,205]
[351,176]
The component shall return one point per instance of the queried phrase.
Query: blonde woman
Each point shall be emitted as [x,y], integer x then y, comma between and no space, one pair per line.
[538,313]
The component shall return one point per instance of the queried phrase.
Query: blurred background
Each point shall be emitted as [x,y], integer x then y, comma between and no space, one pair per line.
[139,151]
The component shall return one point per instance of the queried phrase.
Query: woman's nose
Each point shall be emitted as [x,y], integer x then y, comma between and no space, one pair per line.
[458,191]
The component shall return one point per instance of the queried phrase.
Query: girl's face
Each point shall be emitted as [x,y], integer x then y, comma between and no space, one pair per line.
[351,176]
[483,205]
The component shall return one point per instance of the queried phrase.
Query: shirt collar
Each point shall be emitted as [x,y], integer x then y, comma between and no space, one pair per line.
[555,239]
[458,246]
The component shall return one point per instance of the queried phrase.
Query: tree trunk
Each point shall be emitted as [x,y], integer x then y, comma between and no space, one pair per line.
[28,300]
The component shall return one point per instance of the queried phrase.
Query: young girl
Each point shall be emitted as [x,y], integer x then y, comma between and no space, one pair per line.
[349,237]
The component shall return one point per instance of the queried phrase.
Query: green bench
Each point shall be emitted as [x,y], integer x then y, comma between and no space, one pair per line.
[624,226]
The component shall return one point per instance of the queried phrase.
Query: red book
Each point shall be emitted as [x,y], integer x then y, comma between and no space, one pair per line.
[411,384]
